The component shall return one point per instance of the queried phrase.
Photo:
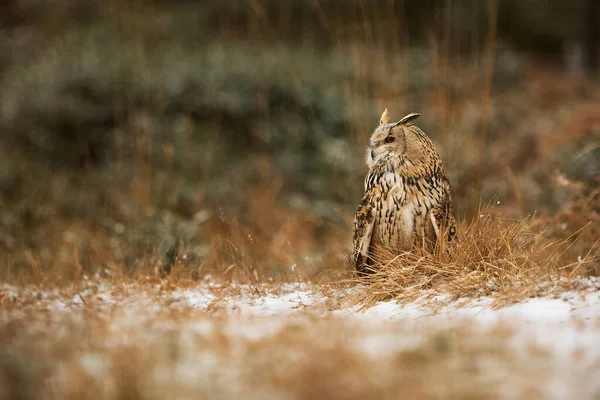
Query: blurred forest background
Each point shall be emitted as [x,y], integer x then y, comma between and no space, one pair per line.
[227,137]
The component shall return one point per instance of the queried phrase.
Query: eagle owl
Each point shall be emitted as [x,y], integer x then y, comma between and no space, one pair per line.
[407,200]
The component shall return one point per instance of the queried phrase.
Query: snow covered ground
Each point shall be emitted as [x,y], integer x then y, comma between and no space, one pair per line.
[212,341]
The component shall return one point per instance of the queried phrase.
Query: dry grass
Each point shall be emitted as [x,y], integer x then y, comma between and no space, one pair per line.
[171,206]
[143,343]
[502,258]
[303,360]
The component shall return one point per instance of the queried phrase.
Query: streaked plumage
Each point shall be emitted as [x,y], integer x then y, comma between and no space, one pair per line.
[407,199]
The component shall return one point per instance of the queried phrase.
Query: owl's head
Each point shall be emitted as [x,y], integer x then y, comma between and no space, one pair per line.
[396,138]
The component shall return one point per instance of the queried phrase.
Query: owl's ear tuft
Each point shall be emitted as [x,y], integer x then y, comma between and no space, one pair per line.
[384,118]
[408,118]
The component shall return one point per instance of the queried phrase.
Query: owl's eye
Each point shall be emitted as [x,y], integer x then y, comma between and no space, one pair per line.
[390,139]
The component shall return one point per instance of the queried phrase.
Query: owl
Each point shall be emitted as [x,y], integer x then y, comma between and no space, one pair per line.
[407,202]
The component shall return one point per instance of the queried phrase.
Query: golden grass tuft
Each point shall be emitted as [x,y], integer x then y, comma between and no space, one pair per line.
[508,260]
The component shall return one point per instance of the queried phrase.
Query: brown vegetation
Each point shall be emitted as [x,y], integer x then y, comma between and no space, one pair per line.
[496,257]
[140,340]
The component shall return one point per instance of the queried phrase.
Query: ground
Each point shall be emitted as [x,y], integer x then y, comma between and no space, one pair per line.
[156,339]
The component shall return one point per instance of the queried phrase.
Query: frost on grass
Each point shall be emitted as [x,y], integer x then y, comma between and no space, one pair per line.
[292,341]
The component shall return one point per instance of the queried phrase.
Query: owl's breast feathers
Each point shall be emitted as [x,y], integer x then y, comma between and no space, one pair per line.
[402,206]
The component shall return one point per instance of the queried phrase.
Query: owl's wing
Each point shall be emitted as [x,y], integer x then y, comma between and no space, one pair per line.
[443,221]
[436,221]
[363,231]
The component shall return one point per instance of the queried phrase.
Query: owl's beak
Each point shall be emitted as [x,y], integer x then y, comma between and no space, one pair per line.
[372,154]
